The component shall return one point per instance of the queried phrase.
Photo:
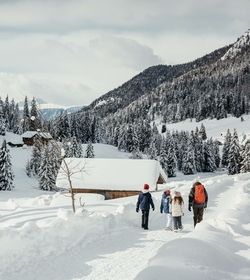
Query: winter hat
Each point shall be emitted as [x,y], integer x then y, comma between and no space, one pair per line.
[177,194]
[167,191]
[146,187]
[196,180]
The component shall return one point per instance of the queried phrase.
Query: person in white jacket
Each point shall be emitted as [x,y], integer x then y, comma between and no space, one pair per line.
[177,210]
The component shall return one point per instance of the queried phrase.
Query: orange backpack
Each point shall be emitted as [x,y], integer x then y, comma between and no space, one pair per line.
[199,194]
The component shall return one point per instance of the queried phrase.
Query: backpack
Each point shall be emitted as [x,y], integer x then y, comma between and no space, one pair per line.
[199,194]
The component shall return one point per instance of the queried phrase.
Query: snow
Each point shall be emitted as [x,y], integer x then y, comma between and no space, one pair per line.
[41,238]
[242,42]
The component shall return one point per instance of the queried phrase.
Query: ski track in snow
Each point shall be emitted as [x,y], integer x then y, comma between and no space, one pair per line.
[125,265]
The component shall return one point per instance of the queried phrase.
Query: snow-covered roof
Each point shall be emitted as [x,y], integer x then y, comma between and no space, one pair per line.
[111,174]
[30,134]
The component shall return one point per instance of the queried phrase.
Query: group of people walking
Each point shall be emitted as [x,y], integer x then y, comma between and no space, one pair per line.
[173,207]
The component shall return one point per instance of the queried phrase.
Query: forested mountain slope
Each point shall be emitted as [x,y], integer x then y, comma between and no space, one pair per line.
[147,81]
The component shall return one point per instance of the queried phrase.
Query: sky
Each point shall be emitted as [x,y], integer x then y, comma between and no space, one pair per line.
[42,238]
[71,52]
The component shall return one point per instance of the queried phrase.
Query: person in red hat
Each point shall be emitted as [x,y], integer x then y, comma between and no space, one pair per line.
[144,201]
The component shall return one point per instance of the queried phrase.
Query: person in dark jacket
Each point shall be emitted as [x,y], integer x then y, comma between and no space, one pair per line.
[198,208]
[164,207]
[144,201]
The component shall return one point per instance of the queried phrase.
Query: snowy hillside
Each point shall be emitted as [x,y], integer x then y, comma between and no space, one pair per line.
[41,238]
[237,47]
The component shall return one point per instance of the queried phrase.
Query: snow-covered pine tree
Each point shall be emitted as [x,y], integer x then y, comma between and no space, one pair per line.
[75,149]
[6,110]
[129,138]
[2,120]
[6,173]
[35,119]
[89,153]
[16,120]
[163,156]
[202,132]
[171,161]
[209,161]
[35,160]
[182,140]
[225,149]
[135,154]
[46,176]
[234,155]
[152,151]
[245,155]
[188,162]
[146,135]
[199,157]
[122,138]
[26,116]
[63,127]
[85,129]
[217,158]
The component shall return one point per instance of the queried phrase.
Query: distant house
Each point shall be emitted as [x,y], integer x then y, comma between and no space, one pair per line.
[29,137]
[112,178]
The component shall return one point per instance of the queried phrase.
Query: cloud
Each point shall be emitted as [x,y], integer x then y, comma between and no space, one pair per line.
[66,47]
[124,52]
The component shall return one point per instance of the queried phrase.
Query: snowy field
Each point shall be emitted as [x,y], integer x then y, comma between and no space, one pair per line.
[41,238]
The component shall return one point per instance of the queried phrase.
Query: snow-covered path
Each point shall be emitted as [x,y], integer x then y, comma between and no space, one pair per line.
[51,242]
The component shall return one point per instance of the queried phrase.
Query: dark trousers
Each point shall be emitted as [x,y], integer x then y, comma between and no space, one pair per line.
[144,221]
[177,222]
[198,214]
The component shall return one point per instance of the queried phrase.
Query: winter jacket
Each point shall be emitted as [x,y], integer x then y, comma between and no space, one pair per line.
[191,201]
[165,200]
[144,201]
[176,209]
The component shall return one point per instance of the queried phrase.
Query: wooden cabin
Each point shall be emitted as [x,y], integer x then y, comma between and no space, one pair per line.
[113,178]
[30,136]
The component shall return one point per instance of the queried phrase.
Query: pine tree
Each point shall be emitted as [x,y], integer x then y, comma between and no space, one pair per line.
[6,173]
[152,151]
[89,153]
[188,162]
[164,157]
[35,122]
[46,176]
[26,116]
[129,138]
[16,120]
[2,120]
[217,158]
[245,155]
[135,153]
[234,155]
[202,132]
[171,161]
[209,161]
[35,161]
[74,149]
[7,113]
[122,138]
[225,149]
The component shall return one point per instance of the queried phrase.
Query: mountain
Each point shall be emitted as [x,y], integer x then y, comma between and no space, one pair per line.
[51,111]
[147,81]
[54,111]
[212,86]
